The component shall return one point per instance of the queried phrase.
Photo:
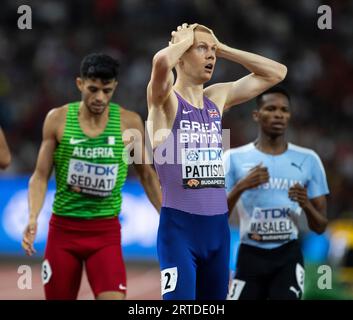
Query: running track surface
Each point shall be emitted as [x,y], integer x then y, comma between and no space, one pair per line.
[143,282]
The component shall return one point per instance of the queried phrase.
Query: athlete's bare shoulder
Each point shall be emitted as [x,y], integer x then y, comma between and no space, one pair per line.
[128,114]
[58,114]
[55,121]
[215,96]
[130,119]
[163,116]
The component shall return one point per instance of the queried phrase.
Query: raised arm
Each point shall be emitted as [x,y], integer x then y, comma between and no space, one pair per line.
[5,156]
[265,73]
[164,61]
[39,180]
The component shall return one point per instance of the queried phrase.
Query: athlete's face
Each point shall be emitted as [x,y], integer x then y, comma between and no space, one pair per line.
[96,94]
[273,115]
[199,61]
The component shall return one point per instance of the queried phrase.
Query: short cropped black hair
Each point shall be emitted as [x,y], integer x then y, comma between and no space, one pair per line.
[275,89]
[99,66]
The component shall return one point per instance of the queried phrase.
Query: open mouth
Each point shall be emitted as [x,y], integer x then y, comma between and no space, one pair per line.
[209,67]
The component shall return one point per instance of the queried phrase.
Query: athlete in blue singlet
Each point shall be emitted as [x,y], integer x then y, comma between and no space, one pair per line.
[272,182]
[184,124]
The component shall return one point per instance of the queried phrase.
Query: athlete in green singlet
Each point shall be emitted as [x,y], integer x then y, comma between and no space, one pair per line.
[83,142]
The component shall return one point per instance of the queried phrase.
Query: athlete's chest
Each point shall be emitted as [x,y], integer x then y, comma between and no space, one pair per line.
[199,120]
[93,130]
[199,127]
[284,170]
[80,130]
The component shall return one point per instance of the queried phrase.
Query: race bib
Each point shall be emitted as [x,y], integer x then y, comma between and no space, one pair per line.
[202,168]
[273,224]
[91,178]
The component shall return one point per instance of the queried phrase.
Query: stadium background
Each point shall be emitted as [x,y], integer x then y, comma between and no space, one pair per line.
[38,69]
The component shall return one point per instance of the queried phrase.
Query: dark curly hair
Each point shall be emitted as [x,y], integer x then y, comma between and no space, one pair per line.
[275,89]
[99,66]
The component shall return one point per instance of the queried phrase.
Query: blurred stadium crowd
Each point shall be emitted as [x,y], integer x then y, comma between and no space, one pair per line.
[38,67]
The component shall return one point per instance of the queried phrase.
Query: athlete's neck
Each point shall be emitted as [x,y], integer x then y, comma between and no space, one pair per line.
[190,92]
[270,145]
[92,119]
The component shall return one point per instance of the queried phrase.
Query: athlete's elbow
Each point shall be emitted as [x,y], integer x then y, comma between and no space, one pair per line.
[319,228]
[280,73]
[160,61]
[5,161]
[145,173]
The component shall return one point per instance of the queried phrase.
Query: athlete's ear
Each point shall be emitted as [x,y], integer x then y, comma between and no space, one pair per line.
[255,115]
[79,83]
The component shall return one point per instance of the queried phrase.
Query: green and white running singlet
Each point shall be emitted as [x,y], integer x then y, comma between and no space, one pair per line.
[90,172]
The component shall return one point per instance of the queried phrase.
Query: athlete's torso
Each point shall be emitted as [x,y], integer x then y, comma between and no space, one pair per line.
[189,162]
[268,218]
[90,172]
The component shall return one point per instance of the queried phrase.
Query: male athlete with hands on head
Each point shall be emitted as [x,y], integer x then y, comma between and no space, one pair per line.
[193,234]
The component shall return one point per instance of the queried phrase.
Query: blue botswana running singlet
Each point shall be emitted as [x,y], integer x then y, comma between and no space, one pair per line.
[268,218]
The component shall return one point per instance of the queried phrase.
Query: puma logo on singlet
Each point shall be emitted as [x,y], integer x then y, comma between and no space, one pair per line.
[299,167]
[297,292]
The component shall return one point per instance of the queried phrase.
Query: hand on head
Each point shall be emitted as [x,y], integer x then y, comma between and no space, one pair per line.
[183,32]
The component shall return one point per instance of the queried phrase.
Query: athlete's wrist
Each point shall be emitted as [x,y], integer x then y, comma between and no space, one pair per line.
[224,51]
[306,206]
[221,50]
[241,186]
[32,219]
[185,43]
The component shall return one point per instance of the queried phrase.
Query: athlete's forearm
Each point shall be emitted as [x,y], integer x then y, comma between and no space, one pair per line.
[234,196]
[169,56]
[254,63]
[152,187]
[316,220]
[154,194]
[36,195]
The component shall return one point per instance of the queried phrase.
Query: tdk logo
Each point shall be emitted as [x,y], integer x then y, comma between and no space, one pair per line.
[271,213]
[204,155]
[98,170]
[211,154]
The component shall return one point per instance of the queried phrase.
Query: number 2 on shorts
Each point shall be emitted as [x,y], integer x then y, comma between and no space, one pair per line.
[169,279]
